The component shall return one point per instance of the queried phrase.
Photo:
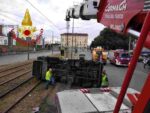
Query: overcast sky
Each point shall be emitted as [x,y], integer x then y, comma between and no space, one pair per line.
[12,12]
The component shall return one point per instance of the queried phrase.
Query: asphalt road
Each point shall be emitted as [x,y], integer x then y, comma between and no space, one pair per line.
[8,59]
[116,75]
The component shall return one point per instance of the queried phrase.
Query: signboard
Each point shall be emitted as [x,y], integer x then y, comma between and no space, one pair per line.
[123,14]
[118,13]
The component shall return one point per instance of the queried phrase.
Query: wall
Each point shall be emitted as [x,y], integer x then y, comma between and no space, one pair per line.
[74,41]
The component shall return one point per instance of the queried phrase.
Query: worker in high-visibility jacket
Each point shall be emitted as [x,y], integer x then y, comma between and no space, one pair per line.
[49,78]
[105,82]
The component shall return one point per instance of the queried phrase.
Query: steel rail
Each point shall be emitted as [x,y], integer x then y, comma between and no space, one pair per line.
[15,77]
[21,98]
[13,67]
[14,71]
[13,88]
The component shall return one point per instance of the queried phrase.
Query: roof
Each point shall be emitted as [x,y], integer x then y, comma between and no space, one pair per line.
[75,34]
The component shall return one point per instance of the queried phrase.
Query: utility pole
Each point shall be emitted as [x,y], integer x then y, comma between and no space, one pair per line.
[72,38]
[52,41]
[67,38]
[67,26]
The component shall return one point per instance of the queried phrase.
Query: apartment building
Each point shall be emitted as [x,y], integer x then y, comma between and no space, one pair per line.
[75,40]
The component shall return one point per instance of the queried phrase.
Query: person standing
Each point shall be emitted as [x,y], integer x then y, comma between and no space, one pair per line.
[48,77]
[105,82]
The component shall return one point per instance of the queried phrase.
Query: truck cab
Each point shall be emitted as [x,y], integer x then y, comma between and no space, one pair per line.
[89,9]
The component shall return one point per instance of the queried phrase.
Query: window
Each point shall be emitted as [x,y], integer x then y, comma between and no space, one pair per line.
[62,39]
[125,55]
[95,4]
[5,42]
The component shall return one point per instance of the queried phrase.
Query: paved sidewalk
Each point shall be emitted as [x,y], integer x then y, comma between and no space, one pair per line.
[8,59]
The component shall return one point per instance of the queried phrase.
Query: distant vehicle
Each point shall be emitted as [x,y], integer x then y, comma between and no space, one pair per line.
[146,60]
[81,56]
[99,55]
[120,58]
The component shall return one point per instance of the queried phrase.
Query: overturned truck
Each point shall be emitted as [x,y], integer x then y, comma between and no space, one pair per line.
[84,73]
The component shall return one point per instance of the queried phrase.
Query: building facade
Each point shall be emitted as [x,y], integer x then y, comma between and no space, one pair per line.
[75,40]
[5,39]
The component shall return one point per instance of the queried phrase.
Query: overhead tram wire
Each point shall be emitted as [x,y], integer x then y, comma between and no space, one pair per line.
[42,14]
[80,27]
[7,17]
[7,12]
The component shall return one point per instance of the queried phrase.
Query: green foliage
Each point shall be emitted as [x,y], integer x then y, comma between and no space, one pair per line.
[110,39]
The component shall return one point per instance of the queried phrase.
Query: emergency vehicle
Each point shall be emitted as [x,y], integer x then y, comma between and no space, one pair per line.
[119,58]
[99,55]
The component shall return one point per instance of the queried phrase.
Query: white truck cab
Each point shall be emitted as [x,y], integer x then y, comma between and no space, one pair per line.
[89,9]
[77,11]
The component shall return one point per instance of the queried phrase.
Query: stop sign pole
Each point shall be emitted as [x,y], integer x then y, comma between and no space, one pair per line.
[28,39]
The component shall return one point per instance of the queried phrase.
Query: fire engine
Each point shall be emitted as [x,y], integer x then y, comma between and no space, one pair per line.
[119,57]
[127,16]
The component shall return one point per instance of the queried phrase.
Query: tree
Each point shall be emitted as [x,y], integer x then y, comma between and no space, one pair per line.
[110,39]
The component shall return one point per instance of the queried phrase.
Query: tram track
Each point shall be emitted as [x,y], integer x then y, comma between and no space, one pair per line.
[15,77]
[16,82]
[7,88]
[12,98]
[13,66]
[13,71]
[12,83]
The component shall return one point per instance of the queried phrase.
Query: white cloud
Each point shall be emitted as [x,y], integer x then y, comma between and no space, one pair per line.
[54,10]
